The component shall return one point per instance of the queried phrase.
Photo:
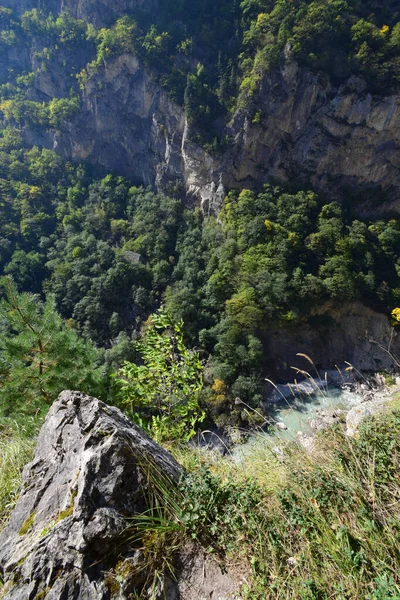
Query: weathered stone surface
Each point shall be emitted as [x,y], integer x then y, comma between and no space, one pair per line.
[306,441]
[357,414]
[336,139]
[339,139]
[104,12]
[87,476]
[127,124]
[328,418]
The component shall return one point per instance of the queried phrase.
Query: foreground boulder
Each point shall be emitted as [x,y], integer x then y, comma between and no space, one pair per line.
[90,472]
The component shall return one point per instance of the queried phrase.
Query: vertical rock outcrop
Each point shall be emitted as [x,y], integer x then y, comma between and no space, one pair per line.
[308,132]
[336,139]
[104,12]
[89,474]
[298,127]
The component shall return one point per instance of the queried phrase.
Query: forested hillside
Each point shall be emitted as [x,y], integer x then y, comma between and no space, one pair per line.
[112,252]
[199,201]
[209,56]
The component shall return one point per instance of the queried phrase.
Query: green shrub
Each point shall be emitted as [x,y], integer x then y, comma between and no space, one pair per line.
[161,393]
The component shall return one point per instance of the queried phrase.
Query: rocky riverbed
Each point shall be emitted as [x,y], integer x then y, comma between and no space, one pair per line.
[300,409]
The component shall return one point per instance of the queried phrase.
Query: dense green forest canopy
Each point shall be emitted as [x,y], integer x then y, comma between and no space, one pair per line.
[141,299]
[110,253]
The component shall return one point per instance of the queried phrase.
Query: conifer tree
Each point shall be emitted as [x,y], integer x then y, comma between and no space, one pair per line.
[190,98]
[40,355]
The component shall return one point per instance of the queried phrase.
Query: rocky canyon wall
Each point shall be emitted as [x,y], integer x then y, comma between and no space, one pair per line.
[337,141]
[352,334]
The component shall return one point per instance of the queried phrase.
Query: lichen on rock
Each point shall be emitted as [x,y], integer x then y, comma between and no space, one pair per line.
[87,476]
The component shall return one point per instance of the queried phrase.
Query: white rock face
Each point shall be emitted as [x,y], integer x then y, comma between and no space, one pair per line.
[357,414]
[87,476]
[281,426]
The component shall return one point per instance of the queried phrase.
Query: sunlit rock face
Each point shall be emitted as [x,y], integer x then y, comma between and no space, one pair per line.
[341,141]
[90,474]
[335,139]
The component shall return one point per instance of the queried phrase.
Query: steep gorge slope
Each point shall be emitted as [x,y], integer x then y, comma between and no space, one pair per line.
[297,126]
[275,271]
[336,140]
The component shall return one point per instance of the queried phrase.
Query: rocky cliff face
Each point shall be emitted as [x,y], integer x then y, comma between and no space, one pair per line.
[67,536]
[104,12]
[335,140]
[332,336]
[127,124]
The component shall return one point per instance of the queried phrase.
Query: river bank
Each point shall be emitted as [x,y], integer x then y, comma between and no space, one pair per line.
[299,410]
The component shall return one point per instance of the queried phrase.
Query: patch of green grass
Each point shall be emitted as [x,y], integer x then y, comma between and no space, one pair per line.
[330,529]
[15,451]
[67,512]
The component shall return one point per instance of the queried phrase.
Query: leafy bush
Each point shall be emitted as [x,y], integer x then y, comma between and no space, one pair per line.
[215,513]
[161,393]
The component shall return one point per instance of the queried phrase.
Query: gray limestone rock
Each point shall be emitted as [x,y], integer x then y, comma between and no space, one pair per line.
[88,474]
[338,138]
[308,131]
[351,334]
[357,414]
[327,418]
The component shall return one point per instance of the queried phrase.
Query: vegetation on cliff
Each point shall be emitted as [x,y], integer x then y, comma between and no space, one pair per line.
[111,253]
[89,256]
[318,526]
[211,57]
